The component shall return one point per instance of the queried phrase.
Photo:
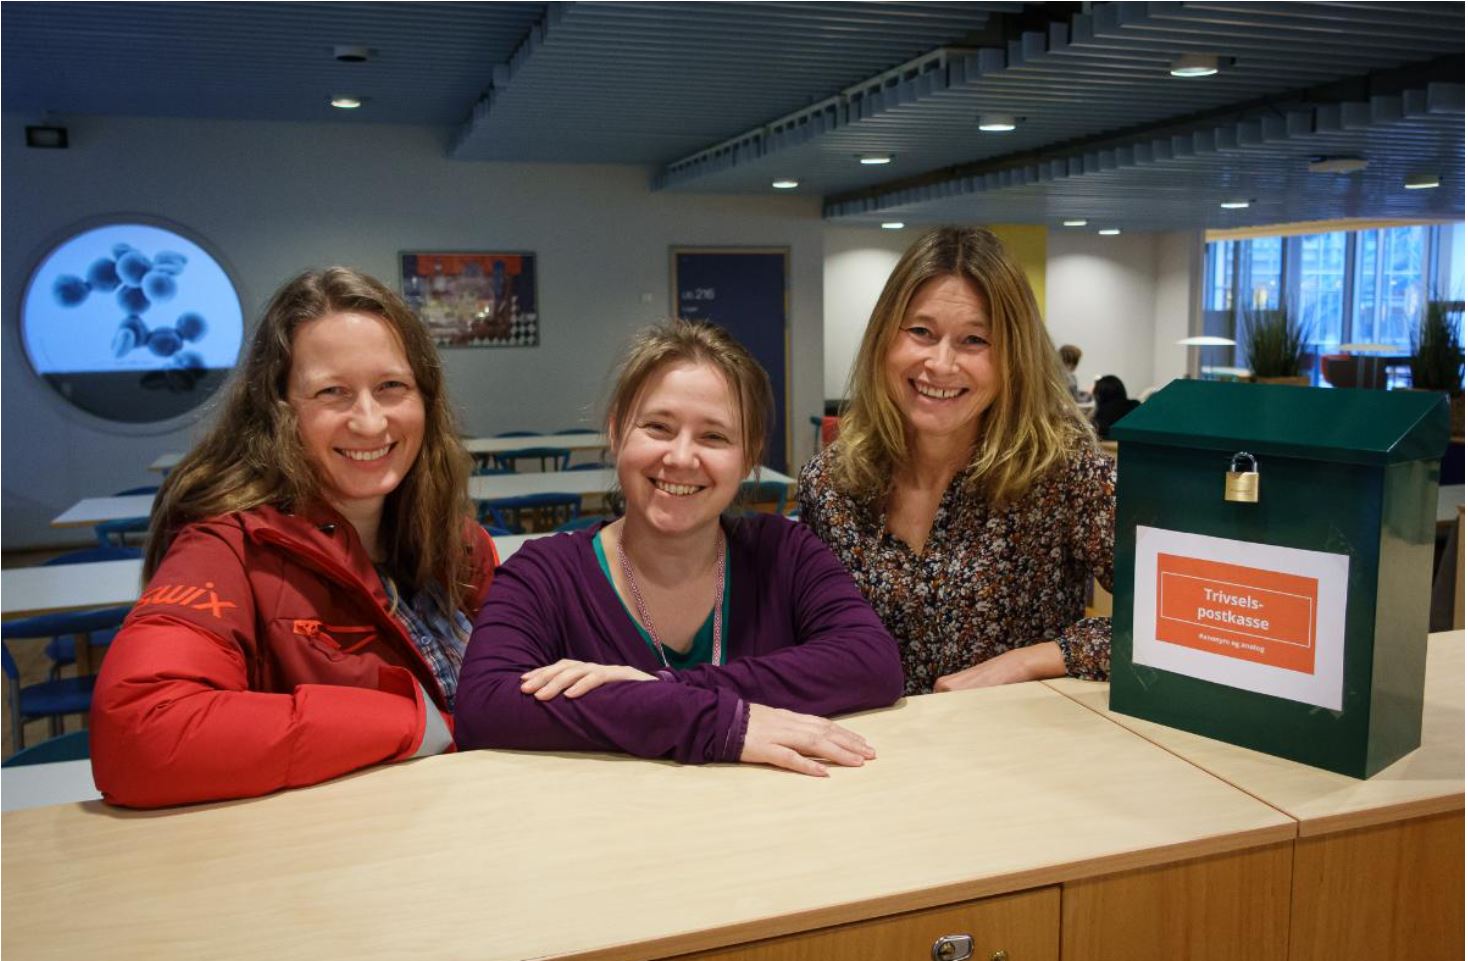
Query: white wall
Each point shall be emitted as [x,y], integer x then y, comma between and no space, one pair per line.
[1125,301]
[1102,298]
[858,261]
[276,198]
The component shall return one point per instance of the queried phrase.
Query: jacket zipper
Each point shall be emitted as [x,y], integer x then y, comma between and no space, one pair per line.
[315,630]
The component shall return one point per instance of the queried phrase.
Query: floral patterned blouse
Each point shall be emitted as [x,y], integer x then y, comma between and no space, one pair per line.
[988,579]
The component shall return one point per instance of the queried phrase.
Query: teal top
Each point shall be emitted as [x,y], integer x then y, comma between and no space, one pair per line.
[702,649]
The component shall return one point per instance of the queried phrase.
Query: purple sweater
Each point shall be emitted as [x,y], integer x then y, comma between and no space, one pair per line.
[801,637]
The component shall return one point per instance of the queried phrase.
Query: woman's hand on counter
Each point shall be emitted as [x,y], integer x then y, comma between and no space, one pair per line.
[789,740]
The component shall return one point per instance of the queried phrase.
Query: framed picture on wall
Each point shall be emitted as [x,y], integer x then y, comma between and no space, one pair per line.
[470,299]
[744,290]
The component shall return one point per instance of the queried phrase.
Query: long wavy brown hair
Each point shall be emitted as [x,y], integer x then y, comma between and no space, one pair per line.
[253,455]
[1033,423]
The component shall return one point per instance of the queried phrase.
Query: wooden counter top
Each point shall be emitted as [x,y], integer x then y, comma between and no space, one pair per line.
[496,854]
[1427,781]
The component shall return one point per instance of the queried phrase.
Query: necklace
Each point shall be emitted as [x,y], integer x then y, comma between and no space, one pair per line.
[646,618]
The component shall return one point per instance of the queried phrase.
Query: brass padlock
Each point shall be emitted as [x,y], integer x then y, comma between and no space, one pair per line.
[1242,486]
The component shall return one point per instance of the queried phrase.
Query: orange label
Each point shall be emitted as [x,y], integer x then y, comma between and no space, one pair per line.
[1254,615]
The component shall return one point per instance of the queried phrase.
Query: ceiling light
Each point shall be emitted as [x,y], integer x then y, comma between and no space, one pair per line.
[1073,223]
[1336,165]
[786,184]
[1109,231]
[1235,204]
[997,122]
[351,53]
[893,225]
[1204,341]
[1421,181]
[874,159]
[1195,65]
[346,103]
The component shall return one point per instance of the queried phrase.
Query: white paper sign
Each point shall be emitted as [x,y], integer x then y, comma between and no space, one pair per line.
[1252,616]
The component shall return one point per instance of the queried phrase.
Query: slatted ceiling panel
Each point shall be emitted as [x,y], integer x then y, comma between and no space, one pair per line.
[267,61]
[1177,182]
[1102,72]
[643,82]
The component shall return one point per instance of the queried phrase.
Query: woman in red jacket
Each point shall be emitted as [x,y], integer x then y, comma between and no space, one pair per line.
[312,568]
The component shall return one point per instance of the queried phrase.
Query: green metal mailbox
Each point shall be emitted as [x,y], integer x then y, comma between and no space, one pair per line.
[1294,623]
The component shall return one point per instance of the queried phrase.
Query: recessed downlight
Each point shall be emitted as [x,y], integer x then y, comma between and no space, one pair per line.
[874,159]
[1195,65]
[893,225]
[1074,223]
[1109,231]
[346,103]
[997,122]
[351,53]
[1235,204]
[1421,182]
[785,184]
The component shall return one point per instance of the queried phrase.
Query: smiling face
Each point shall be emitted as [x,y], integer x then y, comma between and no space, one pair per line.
[679,455]
[359,410]
[941,370]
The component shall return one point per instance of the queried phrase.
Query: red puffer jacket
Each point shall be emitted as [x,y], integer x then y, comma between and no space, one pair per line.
[261,656]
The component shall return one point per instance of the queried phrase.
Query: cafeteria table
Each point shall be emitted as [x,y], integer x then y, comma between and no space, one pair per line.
[588,483]
[39,590]
[478,446]
[95,510]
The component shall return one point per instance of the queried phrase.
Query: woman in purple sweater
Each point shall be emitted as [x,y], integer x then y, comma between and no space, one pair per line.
[676,632]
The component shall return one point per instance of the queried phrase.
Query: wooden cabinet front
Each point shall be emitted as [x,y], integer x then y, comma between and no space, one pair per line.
[1391,891]
[1221,908]
[1012,927]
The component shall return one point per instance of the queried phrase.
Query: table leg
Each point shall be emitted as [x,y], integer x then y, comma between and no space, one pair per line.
[83,645]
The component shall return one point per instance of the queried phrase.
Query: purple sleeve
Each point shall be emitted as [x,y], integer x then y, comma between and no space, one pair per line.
[532,618]
[840,658]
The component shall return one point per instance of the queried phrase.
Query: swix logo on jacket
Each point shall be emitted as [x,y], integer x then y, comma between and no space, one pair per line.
[185,595]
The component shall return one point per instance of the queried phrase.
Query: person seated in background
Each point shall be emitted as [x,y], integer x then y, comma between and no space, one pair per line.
[966,493]
[312,568]
[677,631]
[1112,404]
[1070,359]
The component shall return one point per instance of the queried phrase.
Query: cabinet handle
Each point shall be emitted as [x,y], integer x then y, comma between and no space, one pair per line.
[953,947]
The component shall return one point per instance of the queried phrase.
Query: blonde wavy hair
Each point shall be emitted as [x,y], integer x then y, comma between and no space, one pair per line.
[695,342]
[1033,423]
[254,456]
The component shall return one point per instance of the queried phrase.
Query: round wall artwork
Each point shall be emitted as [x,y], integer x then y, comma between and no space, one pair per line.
[131,322]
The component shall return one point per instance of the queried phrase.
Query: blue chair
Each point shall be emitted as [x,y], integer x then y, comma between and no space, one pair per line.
[517,433]
[594,465]
[530,512]
[48,699]
[493,531]
[62,649]
[576,430]
[754,493]
[76,746]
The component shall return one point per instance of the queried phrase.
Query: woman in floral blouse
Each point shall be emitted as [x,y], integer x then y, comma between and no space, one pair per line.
[966,493]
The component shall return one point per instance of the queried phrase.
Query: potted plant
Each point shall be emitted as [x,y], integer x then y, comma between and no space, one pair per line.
[1437,356]
[1274,347]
